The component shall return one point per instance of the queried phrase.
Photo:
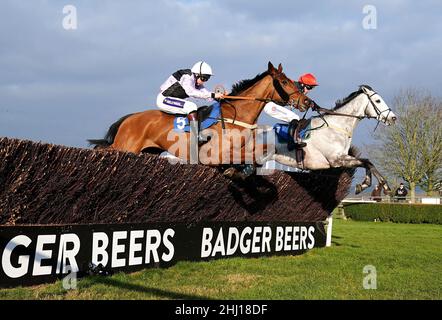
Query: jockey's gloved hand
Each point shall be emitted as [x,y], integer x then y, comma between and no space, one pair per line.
[217,95]
[314,106]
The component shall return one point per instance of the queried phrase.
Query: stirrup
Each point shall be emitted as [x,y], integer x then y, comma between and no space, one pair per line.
[292,126]
[193,116]
[300,145]
[200,137]
[292,145]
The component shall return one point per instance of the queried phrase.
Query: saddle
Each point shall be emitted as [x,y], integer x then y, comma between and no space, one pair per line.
[298,130]
[207,115]
[286,132]
[293,134]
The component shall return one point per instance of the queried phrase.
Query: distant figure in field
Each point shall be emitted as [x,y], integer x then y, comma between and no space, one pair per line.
[376,194]
[401,193]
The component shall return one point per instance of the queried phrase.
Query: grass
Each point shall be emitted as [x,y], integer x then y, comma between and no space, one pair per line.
[407,258]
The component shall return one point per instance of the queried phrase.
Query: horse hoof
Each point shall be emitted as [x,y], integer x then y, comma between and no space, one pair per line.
[229,173]
[358,189]
[248,170]
[387,189]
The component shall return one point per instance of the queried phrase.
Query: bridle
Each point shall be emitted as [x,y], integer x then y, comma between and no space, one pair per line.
[365,116]
[286,97]
[370,101]
[376,109]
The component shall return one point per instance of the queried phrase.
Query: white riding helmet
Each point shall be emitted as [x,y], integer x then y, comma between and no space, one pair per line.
[202,68]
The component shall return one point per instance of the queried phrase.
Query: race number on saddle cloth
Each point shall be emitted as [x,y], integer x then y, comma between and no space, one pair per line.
[208,117]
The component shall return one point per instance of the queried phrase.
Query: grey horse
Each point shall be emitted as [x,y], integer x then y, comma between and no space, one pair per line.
[331,135]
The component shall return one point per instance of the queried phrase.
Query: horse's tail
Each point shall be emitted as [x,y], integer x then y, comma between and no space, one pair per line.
[110,135]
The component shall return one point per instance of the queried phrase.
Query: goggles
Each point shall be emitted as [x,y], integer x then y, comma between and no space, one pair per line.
[204,77]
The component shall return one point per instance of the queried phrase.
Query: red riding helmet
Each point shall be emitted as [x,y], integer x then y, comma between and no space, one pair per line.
[308,79]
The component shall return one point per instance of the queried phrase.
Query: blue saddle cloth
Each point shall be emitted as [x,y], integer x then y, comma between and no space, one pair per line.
[282,132]
[211,117]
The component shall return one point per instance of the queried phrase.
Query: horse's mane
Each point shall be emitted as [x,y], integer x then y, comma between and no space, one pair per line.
[245,84]
[342,102]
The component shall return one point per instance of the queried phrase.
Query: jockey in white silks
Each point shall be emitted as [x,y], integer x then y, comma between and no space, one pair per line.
[184,84]
[305,83]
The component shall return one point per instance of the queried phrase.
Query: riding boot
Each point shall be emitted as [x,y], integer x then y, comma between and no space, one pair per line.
[194,137]
[294,142]
[195,126]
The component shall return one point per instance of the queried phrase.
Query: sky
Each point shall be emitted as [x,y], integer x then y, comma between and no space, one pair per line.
[64,86]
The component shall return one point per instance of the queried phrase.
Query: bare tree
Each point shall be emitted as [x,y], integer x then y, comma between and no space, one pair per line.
[432,146]
[412,149]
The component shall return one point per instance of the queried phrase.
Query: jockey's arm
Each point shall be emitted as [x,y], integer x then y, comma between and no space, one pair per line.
[188,84]
[279,112]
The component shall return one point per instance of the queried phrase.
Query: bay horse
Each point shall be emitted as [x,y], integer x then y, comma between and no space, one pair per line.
[331,134]
[150,131]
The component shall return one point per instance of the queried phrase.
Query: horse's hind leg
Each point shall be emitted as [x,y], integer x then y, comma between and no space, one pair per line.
[347,161]
[366,183]
[379,177]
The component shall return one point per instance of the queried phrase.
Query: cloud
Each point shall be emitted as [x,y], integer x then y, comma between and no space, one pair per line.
[66,86]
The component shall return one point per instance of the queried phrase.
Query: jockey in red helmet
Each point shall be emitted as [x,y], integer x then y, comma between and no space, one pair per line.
[305,83]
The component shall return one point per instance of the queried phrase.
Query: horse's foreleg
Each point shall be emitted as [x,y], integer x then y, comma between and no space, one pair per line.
[251,156]
[285,160]
[241,159]
[312,160]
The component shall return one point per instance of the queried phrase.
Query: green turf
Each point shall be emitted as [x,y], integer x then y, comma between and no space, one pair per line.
[408,261]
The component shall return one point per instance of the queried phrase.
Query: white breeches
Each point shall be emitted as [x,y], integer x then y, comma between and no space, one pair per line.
[175,105]
[279,112]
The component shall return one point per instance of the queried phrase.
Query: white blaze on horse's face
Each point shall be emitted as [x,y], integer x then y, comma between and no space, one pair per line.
[377,107]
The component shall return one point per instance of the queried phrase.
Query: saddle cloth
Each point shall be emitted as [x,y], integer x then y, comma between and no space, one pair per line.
[282,132]
[208,115]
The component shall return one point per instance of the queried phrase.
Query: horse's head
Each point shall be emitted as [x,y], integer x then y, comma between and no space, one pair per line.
[286,91]
[377,108]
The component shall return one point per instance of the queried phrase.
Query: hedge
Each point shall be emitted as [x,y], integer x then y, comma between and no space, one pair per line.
[394,212]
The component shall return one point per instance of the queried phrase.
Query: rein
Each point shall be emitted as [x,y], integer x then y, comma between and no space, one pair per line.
[277,88]
[334,113]
[251,98]
[331,112]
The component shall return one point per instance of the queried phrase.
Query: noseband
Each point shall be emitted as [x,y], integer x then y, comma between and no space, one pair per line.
[376,109]
[285,96]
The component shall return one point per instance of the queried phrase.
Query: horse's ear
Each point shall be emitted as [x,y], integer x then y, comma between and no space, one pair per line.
[280,68]
[364,88]
[271,68]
